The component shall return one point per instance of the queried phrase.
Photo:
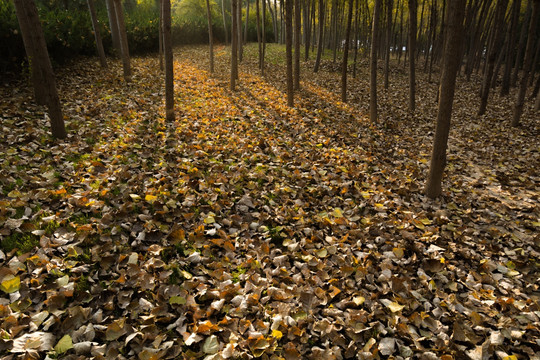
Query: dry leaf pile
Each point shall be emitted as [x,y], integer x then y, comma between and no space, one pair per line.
[247,229]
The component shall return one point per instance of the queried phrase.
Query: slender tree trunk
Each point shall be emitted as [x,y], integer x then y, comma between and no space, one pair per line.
[346,53]
[234,44]
[373,62]
[113,24]
[448,82]
[27,15]
[224,22]
[27,29]
[123,40]
[527,64]
[307,30]
[498,24]
[288,50]
[210,36]
[259,39]
[277,35]
[510,48]
[297,29]
[356,36]
[263,34]
[160,40]
[536,61]
[169,70]
[522,41]
[419,37]
[97,34]
[239,32]
[389,6]
[246,23]
[321,40]
[412,51]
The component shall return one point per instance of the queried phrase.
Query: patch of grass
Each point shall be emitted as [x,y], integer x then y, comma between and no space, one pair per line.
[50,227]
[83,284]
[19,212]
[22,242]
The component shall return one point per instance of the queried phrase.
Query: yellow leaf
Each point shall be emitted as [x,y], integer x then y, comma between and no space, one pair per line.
[395,307]
[277,334]
[398,252]
[358,300]
[337,213]
[64,344]
[510,357]
[150,198]
[12,284]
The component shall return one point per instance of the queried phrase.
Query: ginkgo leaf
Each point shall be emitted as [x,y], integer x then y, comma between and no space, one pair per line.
[277,334]
[150,198]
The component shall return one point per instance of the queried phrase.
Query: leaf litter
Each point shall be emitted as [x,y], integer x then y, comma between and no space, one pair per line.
[248,229]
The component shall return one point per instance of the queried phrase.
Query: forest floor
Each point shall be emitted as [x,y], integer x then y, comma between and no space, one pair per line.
[249,229]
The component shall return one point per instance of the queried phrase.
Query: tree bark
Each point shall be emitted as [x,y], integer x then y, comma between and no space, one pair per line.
[224,22]
[40,90]
[27,15]
[297,29]
[522,41]
[259,39]
[234,44]
[97,34]
[510,48]
[412,54]
[239,32]
[288,50]
[321,33]
[527,64]
[346,53]
[373,62]
[169,70]
[246,22]
[210,36]
[160,40]
[123,40]
[113,25]
[389,6]
[498,24]
[448,83]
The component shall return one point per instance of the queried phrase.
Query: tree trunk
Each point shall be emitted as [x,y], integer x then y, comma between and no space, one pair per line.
[210,36]
[113,25]
[373,62]
[537,102]
[356,36]
[389,6]
[346,53]
[160,40]
[527,64]
[321,33]
[123,40]
[234,44]
[448,83]
[246,23]
[510,48]
[263,33]
[259,39]
[412,54]
[288,50]
[169,70]
[297,29]
[239,32]
[307,29]
[498,26]
[27,29]
[522,40]
[97,35]
[27,15]
[224,22]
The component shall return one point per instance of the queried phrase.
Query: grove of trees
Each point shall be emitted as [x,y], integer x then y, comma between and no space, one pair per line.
[277,179]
